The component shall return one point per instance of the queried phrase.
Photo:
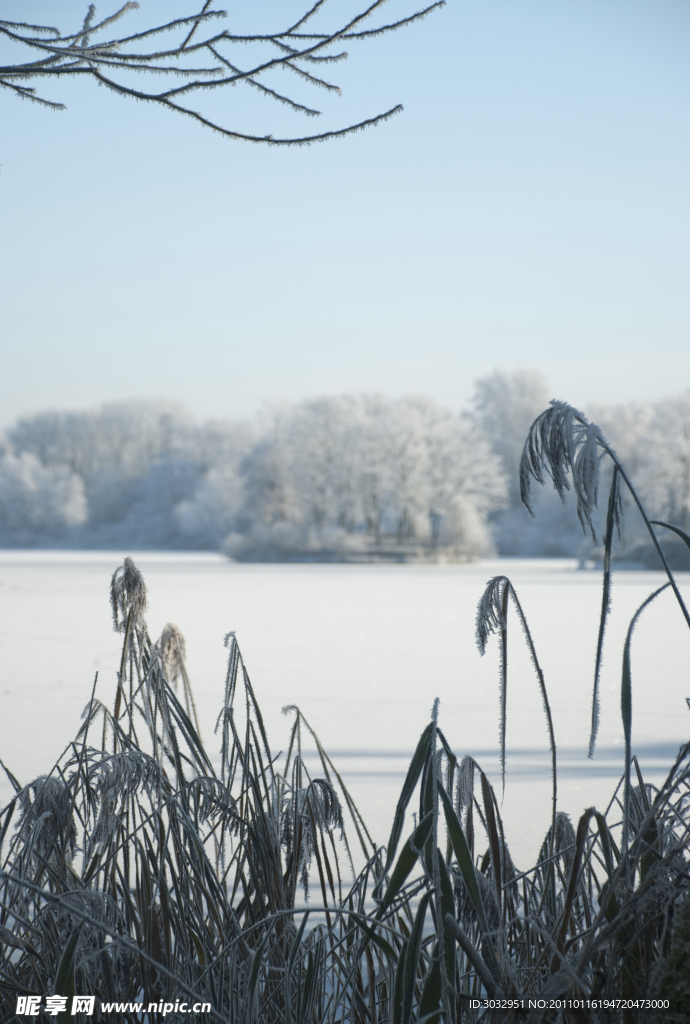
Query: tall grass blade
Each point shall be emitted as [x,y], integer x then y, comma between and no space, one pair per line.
[419,759]
[65,982]
[447,961]
[503,693]
[474,957]
[492,618]
[257,960]
[613,520]
[409,854]
[467,869]
[411,962]
[626,710]
[430,1003]
[16,786]
[494,840]
[581,838]
[676,529]
[399,984]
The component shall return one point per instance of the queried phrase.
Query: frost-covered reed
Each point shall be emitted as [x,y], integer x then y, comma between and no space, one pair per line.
[140,869]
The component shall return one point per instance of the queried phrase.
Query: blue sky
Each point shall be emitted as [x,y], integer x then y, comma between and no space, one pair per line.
[529,208]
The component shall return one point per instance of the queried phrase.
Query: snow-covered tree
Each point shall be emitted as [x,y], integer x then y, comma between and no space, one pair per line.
[340,476]
[38,504]
[653,442]
[127,435]
[150,474]
[504,405]
[334,477]
[667,477]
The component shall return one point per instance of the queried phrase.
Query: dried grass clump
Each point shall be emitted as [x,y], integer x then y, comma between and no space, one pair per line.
[138,871]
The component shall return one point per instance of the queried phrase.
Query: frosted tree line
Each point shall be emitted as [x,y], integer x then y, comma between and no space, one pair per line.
[347,477]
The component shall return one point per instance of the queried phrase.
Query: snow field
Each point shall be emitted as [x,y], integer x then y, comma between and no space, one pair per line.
[363,650]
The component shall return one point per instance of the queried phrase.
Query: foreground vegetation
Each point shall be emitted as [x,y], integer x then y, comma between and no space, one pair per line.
[139,870]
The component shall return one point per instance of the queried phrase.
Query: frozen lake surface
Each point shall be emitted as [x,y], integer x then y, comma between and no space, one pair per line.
[363,650]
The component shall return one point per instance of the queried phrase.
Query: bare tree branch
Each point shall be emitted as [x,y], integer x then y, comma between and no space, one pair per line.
[78,53]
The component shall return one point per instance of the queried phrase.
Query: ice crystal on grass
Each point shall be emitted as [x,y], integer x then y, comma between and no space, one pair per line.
[47,819]
[492,617]
[172,650]
[308,813]
[465,783]
[127,596]
[491,611]
[114,781]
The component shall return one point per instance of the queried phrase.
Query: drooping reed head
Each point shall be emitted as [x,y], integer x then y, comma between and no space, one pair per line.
[115,779]
[562,442]
[308,813]
[490,613]
[46,820]
[127,594]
